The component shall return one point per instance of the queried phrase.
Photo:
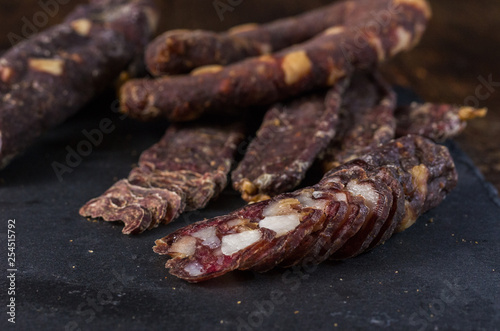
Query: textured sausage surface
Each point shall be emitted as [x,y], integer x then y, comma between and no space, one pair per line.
[287,143]
[319,62]
[369,117]
[434,121]
[353,208]
[48,78]
[184,171]
[180,51]
[366,119]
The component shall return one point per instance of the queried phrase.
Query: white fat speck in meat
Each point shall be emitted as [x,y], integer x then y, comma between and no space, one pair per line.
[185,246]
[235,222]
[306,200]
[280,207]
[194,269]
[235,242]
[341,197]
[364,190]
[280,224]
[208,236]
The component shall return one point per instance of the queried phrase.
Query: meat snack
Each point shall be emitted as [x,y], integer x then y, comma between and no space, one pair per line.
[187,168]
[319,62]
[180,51]
[49,77]
[434,121]
[366,119]
[353,208]
[287,143]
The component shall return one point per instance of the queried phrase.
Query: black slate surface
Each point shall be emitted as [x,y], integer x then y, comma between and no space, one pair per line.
[441,274]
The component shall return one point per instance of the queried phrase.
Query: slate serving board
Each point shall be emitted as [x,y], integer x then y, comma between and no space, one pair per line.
[443,273]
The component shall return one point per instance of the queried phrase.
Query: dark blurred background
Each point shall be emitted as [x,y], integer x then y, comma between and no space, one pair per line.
[461,45]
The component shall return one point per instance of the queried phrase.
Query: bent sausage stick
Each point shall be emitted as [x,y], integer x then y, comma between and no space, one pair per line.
[182,172]
[180,51]
[353,208]
[366,119]
[288,141]
[320,62]
[48,78]
[434,121]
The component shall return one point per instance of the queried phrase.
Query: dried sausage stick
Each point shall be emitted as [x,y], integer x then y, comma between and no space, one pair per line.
[319,62]
[366,119]
[434,121]
[180,51]
[365,123]
[182,172]
[353,208]
[48,78]
[287,143]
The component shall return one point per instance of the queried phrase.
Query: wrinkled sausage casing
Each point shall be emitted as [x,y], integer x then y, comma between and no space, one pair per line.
[287,143]
[180,51]
[352,209]
[317,63]
[49,77]
[184,171]
[366,119]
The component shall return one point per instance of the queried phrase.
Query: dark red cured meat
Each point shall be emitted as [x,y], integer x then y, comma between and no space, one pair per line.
[318,63]
[434,121]
[366,119]
[387,176]
[322,233]
[180,51]
[282,246]
[349,226]
[48,78]
[374,221]
[183,171]
[287,143]
[210,248]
